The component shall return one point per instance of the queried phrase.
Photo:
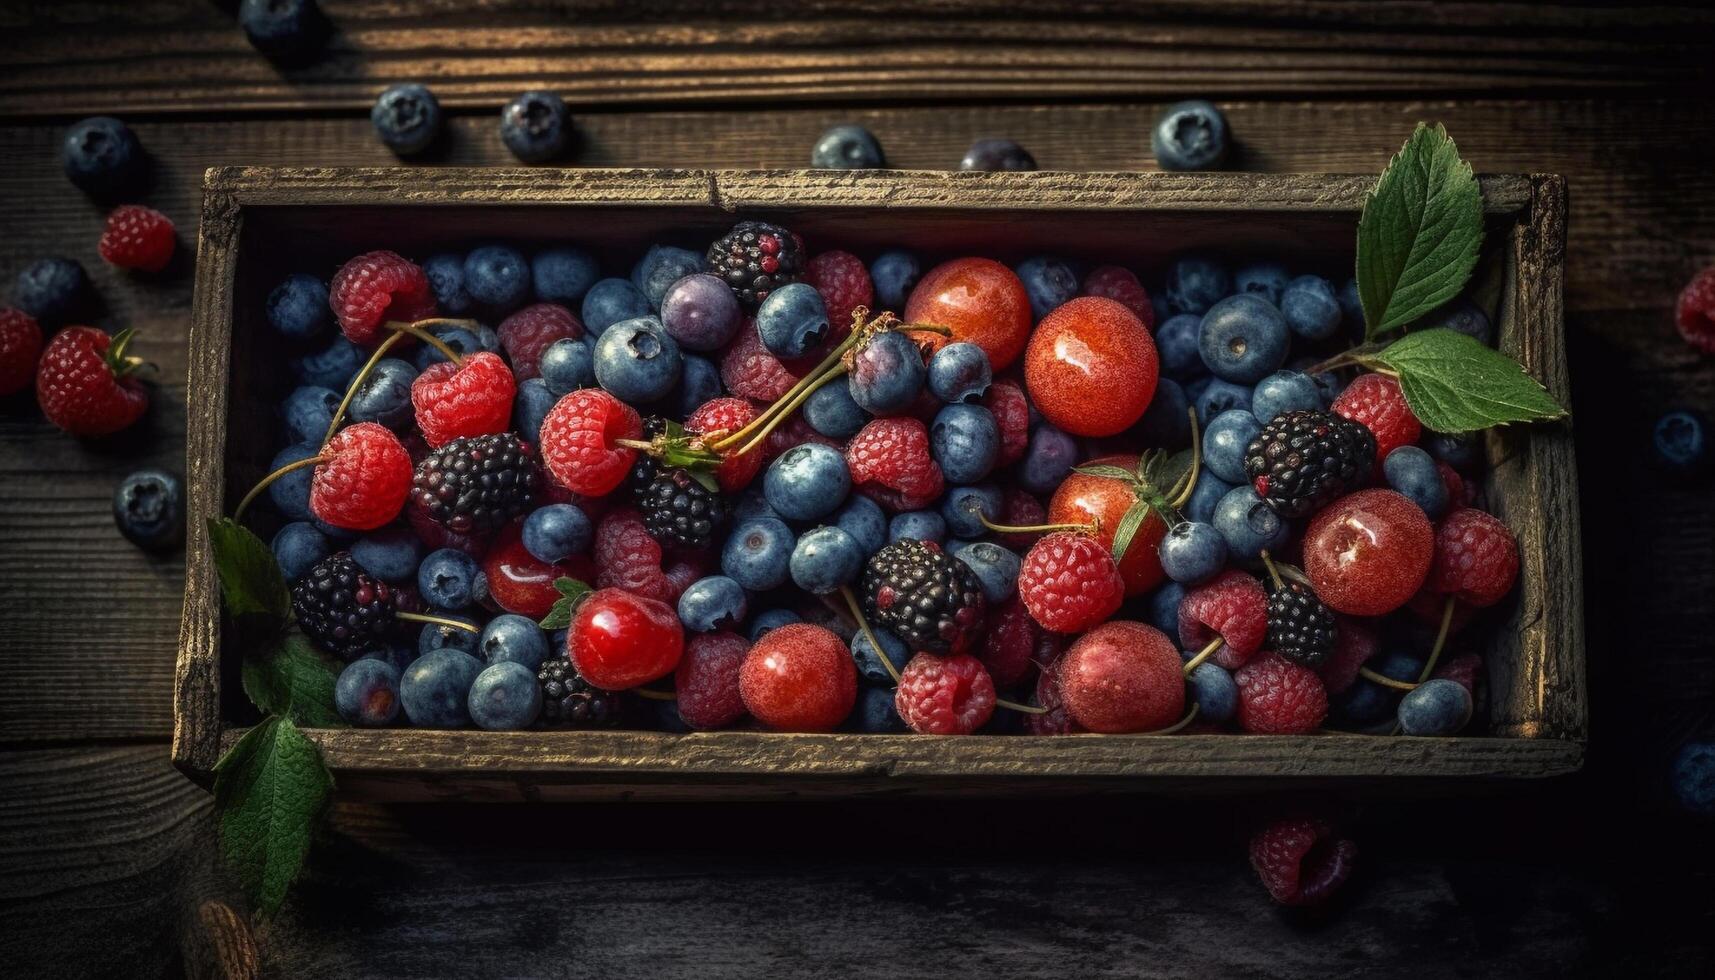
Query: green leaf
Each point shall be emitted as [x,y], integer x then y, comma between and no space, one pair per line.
[293,679]
[269,792]
[250,579]
[1455,384]
[1106,470]
[1420,232]
[1134,517]
[572,592]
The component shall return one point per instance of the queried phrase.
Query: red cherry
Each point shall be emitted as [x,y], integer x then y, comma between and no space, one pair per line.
[981,301]
[1084,499]
[518,582]
[1091,367]
[619,640]
[1123,677]
[1368,552]
[799,678]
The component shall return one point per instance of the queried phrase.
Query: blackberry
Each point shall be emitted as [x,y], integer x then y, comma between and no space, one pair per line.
[341,609]
[1303,460]
[677,510]
[755,258]
[924,596]
[1300,627]
[569,701]
[477,483]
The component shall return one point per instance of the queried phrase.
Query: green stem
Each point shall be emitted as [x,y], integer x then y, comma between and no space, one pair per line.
[1384,680]
[262,484]
[1029,709]
[1273,572]
[1181,496]
[437,620]
[1176,726]
[1093,528]
[644,692]
[1202,655]
[428,338]
[769,413]
[869,634]
[838,371]
[1434,651]
[357,381]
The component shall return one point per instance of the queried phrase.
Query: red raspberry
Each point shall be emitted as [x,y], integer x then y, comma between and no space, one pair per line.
[1056,720]
[1354,645]
[1123,677]
[618,640]
[138,238]
[376,287]
[728,415]
[578,441]
[84,383]
[519,582]
[1069,582]
[799,678]
[750,371]
[363,478]
[793,432]
[627,557]
[1466,670]
[1279,697]
[706,681]
[1011,646]
[1020,509]
[1695,313]
[470,398]
[1231,606]
[1476,558]
[20,347]
[532,330]
[1375,400]
[844,283]
[1459,493]
[1121,286]
[1011,411]
[1300,862]
[944,695]
[890,464]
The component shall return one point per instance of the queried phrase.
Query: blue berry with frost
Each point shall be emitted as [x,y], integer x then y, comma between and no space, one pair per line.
[1048,281]
[1190,135]
[445,272]
[366,693]
[833,412]
[308,411]
[1249,526]
[959,372]
[894,274]
[530,407]
[435,689]
[757,553]
[1225,440]
[807,482]
[793,320]
[1195,283]
[51,289]
[701,312]
[965,441]
[871,670]
[963,507]
[662,266]
[556,532]
[1413,473]
[446,579]
[846,147]
[771,619]
[1214,692]
[918,525]
[536,126]
[298,307]
[407,117]
[297,546]
[1176,345]
[612,301]
[1266,279]
[384,397]
[1680,440]
[996,568]
[505,697]
[510,638]
[714,602]
[636,361]
[103,157]
[886,375]
[149,509]
[497,277]
[997,155]
[1282,392]
[862,518]
[567,365]
[1243,339]
[1193,553]
[826,559]
[391,554]
[1435,707]
[563,274]
[1048,457]
[440,636]
[1310,308]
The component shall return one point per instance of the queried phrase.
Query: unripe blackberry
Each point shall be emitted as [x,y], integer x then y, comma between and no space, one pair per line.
[1303,460]
[924,596]
[756,258]
[477,483]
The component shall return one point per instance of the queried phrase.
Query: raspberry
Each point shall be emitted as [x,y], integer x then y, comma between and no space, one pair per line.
[363,479]
[1459,493]
[1376,401]
[944,695]
[477,483]
[1231,606]
[1299,862]
[532,330]
[1014,643]
[627,557]
[471,398]
[1123,677]
[799,678]
[1069,582]
[750,371]
[706,681]
[924,596]
[376,287]
[1465,670]
[1056,720]
[1278,697]
[84,383]
[1020,509]
[578,441]
[1121,286]
[728,415]
[1695,312]
[1476,558]
[844,283]
[20,347]
[1354,645]
[890,464]
[138,238]
[793,432]
[1011,411]
[341,609]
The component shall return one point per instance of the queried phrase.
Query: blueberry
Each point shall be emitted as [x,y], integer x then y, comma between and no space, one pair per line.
[1462,452]
[342,535]
[662,266]
[149,509]
[1351,308]
[1176,343]
[959,372]
[1224,443]
[102,156]
[1195,283]
[530,407]
[887,373]
[874,713]
[847,147]
[407,117]
[1214,693]
[391,554]
[446,579]
[1190,135]
[701,312]
[1205,496]
[567,365]
[825,559]
[1164,608]
[513,638]
[1680,440]
[699,383]
[1310,309]
[396,655]
[1243,339]
[1462,316]
[1166,423]
[807,482]
[1413,473]
[1436,707]
[283,28]
[833,412]
[863,519]
[757,553]
[870,668]
[1193,553]
[637,361]
[439,636]
[1048,281]
[557,532]
[1364,703]
[962,507]
[496,276]
[297,546]
[772,619]
[563,275]
[536,126]
[996,569]
[1285,391]
[458,338]
[367,693]
[434,689]
[1249,525]
[445,273]
[50,289]
[965,441]
[752,504]
[298,307]
[384,397]
[894,274]
[917,525]
[505,697]
[612,301]
[1050,455]
[1694,776]
[997,154]
[713,603]
[1266,279]
[291,493]
[308,411]
[793,320]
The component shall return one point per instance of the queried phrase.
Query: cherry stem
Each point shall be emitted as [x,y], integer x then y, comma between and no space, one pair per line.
[773,410]
[1434,651]
[838,371]
[1176,726]
[869,634]
[1029,709]
[262,484]
[1385,681]
[357,381]
[437,620]
[1273,572]
[1202,655]
[1092,528]
[1182,495]
[416,330]
[644,692]
[1359,356]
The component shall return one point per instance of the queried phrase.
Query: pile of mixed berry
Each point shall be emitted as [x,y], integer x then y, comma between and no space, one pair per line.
[755,485]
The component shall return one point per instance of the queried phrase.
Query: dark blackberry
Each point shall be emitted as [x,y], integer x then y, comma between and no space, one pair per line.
[477,483]
[756,258]
[1300,627]
[927,598]
[677,510]
[1303,460]
[341,609]
[569,701]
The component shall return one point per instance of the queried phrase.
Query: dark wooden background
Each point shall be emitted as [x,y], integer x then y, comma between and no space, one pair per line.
[106,856]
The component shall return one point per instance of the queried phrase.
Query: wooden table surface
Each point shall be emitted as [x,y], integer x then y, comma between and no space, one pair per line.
[106,857]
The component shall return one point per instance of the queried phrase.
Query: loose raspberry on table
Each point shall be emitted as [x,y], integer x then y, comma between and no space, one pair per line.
[706,680]
[532,330]
[84,383]
[750,371]
[1020,509]
[1354,645]
[1069,582]
[1013,643]
[1695,312]
[1056,720]
[1376,401]
[728,415]
[1121,286]
[1278,697]
[578,441]
[363,479]
[1011,411]
[944,695]
[1300,862]
[138,238]
[890,464]
[1232,606]
[20,348]
[471,398]
[1476,558]
[376,287]
[843,281]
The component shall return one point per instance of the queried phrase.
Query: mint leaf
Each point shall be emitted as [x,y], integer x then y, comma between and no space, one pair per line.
[1420,232]
[572,592]
[293,679]
[268,793]
[250,579]
[1455,384]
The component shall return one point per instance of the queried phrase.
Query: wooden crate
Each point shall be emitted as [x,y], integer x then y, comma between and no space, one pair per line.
[259,224]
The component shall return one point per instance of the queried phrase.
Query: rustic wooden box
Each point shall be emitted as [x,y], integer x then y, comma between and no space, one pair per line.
[259,224]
